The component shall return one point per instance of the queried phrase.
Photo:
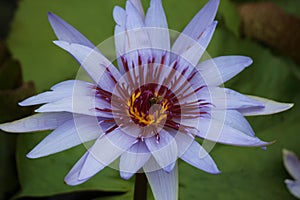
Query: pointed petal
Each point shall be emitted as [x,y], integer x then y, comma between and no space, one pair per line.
[72,177]
[158,26]
[136,37]
[105,150]
[99,68]
[294,187]
[37,122]
[197,47]
[156,15]
[164,150]
[198,157]
[66,32]
[119,15]
[61,90]
[85,105]
[90,167]
[224,98]
[194,154]
[44,97]
[119,34]
[218,70]
[233,119]
[270,107]
[196,26]
[133,18]
[291,163]
[133,159]
[138,5]
[163,185]
[219,132]
[131,37]
[72,133]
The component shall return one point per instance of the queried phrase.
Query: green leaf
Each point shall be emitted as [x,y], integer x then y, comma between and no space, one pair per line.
[12,90]
[228,13]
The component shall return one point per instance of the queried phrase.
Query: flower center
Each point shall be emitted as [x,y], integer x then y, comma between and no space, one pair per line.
[150,105]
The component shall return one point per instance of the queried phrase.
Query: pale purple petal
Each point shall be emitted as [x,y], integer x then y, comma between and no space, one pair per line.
[133,159]
[156,16]
[131,38]
[136,37]
[119,15]
[196,26]
[224,98]
[233,119]
[72,177]
[133,18]
[85,105]
[164,150]
[163,185]
[72,133]
[294,187]
[197,47]
[105,150]
[90,167]
[218,70]
[66,32]
[60,91]
[291,163]
[37,122]
[157,26]
[44,97]
[99,68]
[219,132]
[138,5]
[270,107]
[197,156]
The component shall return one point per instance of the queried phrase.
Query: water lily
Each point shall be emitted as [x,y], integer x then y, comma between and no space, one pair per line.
[292,165]
[149,109]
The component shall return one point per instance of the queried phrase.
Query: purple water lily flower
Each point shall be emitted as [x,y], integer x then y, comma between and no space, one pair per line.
[149,112]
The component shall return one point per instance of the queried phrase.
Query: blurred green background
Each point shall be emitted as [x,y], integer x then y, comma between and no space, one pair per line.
[247,173]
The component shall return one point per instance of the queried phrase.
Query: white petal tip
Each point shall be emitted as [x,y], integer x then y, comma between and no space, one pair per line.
[126,175]
[170,167]
[58,42]
[289,105]
[71,182]
[3,127]
[50,15]
[32,155]
[247,61]
[26,102]
[22,103]
[285,152]
[36,153]
[38,110]
[283,107]
[265,144]
[214,170]
[270,107]
[9,127]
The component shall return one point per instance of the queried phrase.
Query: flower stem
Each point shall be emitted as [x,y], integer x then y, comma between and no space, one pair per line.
[140,187]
